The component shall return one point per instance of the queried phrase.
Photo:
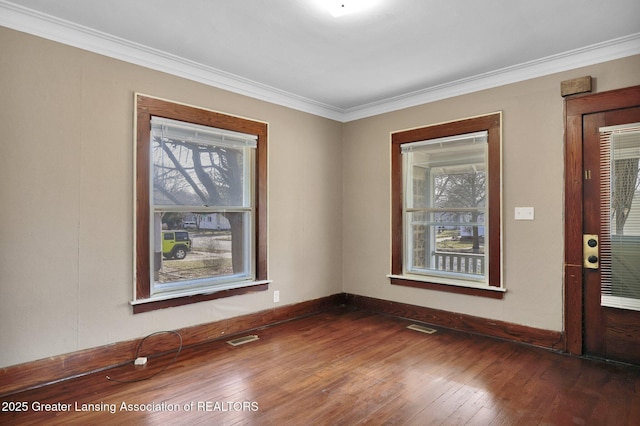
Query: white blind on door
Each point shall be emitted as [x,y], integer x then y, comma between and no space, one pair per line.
[620,216]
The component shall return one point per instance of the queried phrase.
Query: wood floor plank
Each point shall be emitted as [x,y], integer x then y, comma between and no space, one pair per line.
[346,367]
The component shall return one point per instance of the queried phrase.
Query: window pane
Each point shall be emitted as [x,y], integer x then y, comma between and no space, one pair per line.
[445,206]
[208,168]
[450,174]
[620,242]
[198,171]
[214,248]
[442,247]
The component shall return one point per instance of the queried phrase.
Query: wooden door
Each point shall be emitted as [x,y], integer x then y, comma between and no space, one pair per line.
[602,254]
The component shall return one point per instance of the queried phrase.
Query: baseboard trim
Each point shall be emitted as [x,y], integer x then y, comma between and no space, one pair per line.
[31,375]
[548,339]
[35,374]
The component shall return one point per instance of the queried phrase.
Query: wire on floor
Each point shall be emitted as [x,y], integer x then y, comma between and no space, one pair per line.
[137,355]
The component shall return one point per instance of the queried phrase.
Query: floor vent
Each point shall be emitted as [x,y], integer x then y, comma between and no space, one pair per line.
[422,328]
[242,340]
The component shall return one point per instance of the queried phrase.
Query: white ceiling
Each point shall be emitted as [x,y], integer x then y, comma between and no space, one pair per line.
[398,53]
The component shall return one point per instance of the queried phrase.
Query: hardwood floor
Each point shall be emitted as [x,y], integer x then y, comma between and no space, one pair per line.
[345,367]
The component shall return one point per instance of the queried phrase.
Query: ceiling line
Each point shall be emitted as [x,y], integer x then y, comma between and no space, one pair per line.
[46,26]
[589,55]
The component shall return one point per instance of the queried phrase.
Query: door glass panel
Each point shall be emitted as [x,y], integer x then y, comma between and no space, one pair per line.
[620,232]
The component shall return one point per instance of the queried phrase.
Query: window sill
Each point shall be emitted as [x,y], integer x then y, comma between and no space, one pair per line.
[196,295]
[482,291]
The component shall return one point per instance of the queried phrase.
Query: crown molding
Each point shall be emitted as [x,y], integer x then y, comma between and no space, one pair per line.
[590,55]
[59,30]
[46,26]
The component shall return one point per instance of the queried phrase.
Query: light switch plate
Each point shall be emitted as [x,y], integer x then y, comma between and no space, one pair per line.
[524,213]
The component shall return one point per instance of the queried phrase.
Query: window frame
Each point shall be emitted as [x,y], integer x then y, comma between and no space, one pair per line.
[492,124]
[145,108]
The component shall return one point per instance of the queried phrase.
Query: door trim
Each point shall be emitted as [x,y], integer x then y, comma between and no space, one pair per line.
[575,108]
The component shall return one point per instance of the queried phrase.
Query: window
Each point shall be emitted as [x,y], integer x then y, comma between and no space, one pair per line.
[620,234]
[200,205]
[446,207]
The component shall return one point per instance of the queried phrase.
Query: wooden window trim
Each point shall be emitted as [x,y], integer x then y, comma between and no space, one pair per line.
[146,107]
[492,124]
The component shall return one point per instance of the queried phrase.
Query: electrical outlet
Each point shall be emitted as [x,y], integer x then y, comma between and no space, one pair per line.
[276,296]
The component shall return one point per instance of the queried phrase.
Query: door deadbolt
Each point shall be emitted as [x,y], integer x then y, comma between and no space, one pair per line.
[590,251]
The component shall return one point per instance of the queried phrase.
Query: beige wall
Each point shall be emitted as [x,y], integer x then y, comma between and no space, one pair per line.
[66,222]
[66,219]
[533,167]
